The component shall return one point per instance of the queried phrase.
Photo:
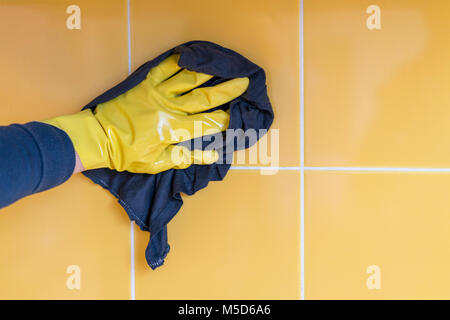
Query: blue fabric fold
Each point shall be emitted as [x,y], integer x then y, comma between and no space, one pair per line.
[151,201]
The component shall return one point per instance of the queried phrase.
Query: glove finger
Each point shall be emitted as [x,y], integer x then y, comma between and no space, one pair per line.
[179,157]
[204,157]
[172,157]
[206,98]
[182,157]
[200,124]
[202,99]
[164,70]
[182,82]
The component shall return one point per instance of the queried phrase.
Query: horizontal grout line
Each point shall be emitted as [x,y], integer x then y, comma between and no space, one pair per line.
[265,168]
[374,169]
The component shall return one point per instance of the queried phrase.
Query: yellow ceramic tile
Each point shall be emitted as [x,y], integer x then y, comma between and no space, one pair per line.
[236,239]
[377,235]
[377,97]
[264,31]
[78,224]
[49,70]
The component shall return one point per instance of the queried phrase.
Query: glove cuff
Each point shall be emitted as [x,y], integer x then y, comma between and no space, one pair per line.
[88,138]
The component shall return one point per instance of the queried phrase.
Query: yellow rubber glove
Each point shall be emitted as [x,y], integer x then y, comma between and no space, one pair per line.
[137,131]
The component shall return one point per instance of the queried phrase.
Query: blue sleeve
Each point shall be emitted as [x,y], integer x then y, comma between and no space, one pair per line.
[33,157]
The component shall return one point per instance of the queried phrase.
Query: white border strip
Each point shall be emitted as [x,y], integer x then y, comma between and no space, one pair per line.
[302,156]
[132,272]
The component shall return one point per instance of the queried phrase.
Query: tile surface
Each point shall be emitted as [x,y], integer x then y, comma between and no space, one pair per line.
[48,70]
[264,31]
[377,97]
[398,223]
[245,246]
[236,239]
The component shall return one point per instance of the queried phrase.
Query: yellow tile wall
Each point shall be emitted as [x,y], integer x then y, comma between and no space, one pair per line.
[236,239]
[372,99]
[48,70]
[397,222]
[245,245]
[376,98]
[264,31]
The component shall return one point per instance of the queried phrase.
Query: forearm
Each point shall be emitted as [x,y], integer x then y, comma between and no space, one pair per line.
[33,157]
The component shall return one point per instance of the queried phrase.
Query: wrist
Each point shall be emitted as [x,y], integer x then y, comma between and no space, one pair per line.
[88,138]
[78,165]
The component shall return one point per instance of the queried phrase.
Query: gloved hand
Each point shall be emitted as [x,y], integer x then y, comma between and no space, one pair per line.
[137,131]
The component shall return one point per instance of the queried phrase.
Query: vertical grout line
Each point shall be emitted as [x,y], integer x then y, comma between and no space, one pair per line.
[129,36]
[132,274]
[302,157]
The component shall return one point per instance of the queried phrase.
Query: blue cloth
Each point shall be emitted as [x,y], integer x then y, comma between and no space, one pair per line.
[33,157]
[151,201]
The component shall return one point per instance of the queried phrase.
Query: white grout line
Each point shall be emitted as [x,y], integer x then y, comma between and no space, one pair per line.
[375,169]
[132,273]
[378,169]
[129,36]
[302,156]
[266,168]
